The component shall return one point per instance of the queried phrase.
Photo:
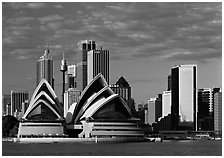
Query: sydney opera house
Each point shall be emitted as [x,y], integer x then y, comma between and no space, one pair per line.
[99,112]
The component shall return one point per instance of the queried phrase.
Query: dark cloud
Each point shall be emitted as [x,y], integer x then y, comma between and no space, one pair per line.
[129,30]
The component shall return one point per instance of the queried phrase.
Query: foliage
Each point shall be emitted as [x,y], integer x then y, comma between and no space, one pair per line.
[9,126]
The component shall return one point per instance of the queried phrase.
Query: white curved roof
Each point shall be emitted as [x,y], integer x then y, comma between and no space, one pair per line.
[70,112]
[50,96]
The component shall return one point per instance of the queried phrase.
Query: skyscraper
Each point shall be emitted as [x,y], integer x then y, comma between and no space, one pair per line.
[169,79]
[218,111]
[166,103]
[98,62]
[81,63]
[70,77]
[45,68]
[17,98]
[184,95]
[6,101]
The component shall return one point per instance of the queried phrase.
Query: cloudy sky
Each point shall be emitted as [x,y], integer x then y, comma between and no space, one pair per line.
[145,41]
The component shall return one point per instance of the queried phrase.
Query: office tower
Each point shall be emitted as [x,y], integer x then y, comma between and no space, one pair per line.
[218,111]
[17,98]
[45,68]
[25,105]
[81,62]
[6,100]
[169,86]
[70,77]
[122,88]
[63,70]
[205,109]
[98,62]
[166,103]
[71,96]
[154,110]
[184,95]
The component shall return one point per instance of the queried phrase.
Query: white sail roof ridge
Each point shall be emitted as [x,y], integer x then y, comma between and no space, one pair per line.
[93,98]
[48,105]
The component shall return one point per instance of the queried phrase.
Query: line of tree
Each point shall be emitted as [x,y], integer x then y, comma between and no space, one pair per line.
[9,126]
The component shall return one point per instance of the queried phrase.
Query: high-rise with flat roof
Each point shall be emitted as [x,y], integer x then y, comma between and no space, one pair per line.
[184,95]
[98,62]
[81,62]
[6,101]
[17,98]
[70,81]
[166,103]
[218,111]
[45,68]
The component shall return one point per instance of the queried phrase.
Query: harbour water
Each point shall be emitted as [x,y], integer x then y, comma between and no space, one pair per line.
[166,148]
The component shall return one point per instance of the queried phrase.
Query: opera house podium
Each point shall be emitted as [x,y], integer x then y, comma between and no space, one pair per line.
[43,117]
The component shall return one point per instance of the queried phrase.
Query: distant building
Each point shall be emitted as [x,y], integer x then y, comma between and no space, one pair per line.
[166,103]
[71,96]
[17,98]
[154,110]
[70,77]
[122,88]
[98,62]
[6,100]
[169,86]
[184,95]
[205,109]
[218,111]
[81,62]
[45,68]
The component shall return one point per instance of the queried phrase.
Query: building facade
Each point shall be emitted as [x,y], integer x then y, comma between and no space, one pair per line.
[6,101]
[184,95]
[98,62]
[218,111]
[154,110]
[71,96]
[81,62]
[44,68]
[123,89]
[166,103]
[17,98]
[205,109]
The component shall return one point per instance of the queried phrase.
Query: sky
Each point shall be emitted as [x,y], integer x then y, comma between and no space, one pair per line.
[145,40]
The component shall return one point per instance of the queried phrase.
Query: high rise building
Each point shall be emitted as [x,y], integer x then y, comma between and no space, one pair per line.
[98,62]
[154,110]
[218,111]
[17,98]
[81,62]
[6,100]
[166,103]
[184,95]
[169,85]
[70,77]
[63,69]
[45,68]
[71,96]
[122,88]
[205,109]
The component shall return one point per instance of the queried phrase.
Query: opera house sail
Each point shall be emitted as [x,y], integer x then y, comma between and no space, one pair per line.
[102,113]
[44,114]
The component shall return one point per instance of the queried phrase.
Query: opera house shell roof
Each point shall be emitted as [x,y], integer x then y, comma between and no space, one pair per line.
[44,104]
[99,102]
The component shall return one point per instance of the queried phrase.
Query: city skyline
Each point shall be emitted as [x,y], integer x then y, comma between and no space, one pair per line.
[145,41]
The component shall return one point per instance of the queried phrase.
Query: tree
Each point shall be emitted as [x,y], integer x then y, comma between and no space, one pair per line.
[9,126]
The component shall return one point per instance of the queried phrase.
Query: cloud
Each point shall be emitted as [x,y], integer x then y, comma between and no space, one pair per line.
[22,5]
[50,18]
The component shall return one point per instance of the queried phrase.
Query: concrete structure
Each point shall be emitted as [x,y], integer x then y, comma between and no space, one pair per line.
[205,109]
[63,69]
[166,103]
[154,110]
[45,68]
[184,95]
[218,111]
[98,62]
[17,98]
[70,77]
[123,89]
[44,114]
[101,113]
[6,100]
[71,96]
[81,62]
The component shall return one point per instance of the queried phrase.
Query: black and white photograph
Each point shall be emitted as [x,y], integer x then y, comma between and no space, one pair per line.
[111,78]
